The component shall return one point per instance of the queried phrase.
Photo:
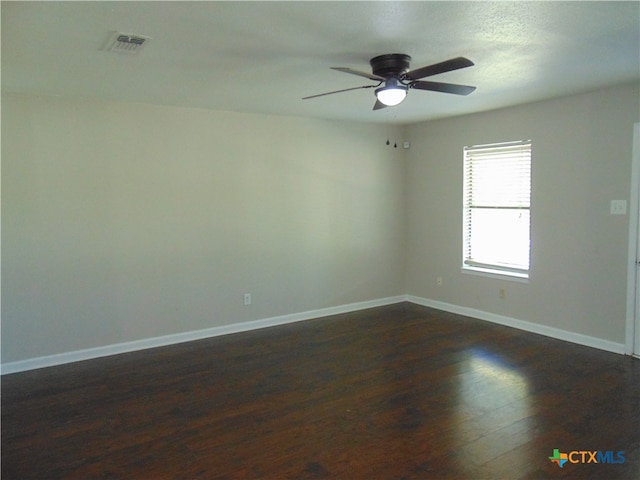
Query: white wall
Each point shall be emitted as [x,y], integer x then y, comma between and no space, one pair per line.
[124,221]
[581,161]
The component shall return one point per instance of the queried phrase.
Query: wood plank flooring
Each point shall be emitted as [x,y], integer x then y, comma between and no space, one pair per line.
[396,392]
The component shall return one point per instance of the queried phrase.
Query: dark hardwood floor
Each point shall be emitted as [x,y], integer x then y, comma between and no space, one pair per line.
[397,392]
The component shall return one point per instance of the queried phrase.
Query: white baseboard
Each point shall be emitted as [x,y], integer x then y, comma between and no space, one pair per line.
[97,352]
[523,325]
[91,353]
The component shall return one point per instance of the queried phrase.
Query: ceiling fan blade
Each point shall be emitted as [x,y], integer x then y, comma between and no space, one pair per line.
[443,87]
[442,67]
[378,105]
[370,76]
[338,91]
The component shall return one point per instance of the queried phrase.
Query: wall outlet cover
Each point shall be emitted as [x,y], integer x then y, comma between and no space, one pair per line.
[618,207]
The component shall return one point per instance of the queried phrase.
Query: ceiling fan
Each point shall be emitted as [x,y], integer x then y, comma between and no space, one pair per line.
[393,70]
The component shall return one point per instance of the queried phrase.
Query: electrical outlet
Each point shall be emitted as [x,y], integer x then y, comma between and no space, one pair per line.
[439,281]
[502,294]
[247,299]
[618,207]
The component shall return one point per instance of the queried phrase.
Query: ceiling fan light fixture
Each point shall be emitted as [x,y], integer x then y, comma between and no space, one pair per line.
[393,69]
[391,94]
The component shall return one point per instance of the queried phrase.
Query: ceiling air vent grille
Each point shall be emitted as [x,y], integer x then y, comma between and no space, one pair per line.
[126,42]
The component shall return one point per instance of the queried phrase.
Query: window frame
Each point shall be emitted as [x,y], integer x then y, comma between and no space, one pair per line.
[519,202]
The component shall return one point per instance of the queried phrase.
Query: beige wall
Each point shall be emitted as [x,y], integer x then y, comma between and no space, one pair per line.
[124,221]
[581,161]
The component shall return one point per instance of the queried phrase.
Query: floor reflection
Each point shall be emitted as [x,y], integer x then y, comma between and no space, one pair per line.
[495,418]
[491,377]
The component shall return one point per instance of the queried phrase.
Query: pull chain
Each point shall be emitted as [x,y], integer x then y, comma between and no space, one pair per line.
[387,122]
[395,143]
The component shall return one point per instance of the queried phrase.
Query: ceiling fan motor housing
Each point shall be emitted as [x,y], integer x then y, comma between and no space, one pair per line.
[390,65]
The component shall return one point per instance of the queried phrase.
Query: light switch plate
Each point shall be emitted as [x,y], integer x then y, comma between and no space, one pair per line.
[618,207]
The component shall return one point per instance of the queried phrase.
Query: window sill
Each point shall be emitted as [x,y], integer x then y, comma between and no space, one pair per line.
[496,274]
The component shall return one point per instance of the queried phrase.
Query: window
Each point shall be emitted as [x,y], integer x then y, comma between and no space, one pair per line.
[497,193]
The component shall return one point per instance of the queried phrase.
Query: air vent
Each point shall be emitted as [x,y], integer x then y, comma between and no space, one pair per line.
[126,42]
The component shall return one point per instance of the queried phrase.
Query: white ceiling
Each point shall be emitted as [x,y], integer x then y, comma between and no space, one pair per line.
[264,56]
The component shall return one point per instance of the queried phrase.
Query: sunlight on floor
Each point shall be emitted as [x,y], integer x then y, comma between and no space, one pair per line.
[495,413]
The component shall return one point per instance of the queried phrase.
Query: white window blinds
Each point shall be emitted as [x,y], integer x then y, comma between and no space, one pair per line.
[497,194]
